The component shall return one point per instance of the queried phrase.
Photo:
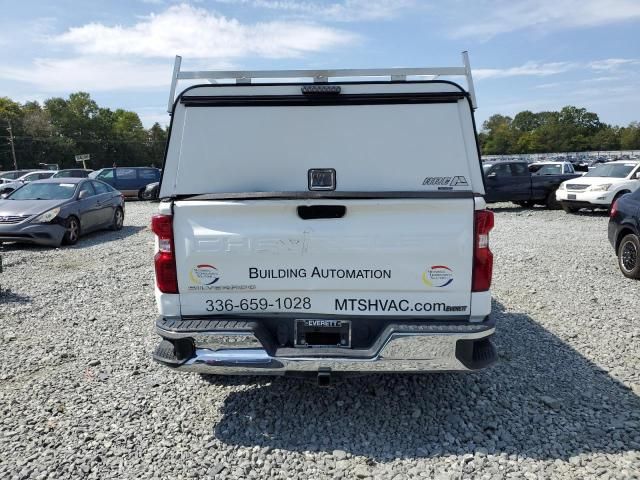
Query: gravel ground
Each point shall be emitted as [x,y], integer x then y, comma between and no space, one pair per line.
[81,398]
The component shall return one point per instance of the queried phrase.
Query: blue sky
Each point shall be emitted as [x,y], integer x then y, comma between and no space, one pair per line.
[525,54]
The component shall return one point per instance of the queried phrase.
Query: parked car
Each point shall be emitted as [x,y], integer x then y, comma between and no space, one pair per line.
[513,182]
[8,187]
[362,245]
[551,168]
[151,191]
[59,210]
[72,173]
[624,233]
[9,176]
[600,187]
[131,181]
[586,164]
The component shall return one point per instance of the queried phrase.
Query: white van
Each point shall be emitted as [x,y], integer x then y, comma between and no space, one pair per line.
[326,222]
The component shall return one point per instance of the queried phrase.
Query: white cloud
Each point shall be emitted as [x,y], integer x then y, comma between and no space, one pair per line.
[199,33]
[151,115]
[343,11]
[536,69]
[89,73]
[612,63]
[528,69]
[487,18]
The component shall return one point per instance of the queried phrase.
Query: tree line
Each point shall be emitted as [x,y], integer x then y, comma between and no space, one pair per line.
[61,128]
[571,129]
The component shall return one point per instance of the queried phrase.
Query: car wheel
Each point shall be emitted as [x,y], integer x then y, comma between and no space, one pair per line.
[141,195]
[628,256]
[552,203]
[525,204]
[72,234]
[569,208]
[118,219]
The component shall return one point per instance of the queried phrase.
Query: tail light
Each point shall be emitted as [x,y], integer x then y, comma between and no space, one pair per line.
[165,260]
[482,256]
[614,209]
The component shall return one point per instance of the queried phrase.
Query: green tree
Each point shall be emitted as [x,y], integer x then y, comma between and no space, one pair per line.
[525,121]
[10,110]
[156,143]
[500,137]
[630,137]
[607,138]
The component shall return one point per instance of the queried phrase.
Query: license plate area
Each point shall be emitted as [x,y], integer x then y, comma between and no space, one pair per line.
[322,333]
[571,196]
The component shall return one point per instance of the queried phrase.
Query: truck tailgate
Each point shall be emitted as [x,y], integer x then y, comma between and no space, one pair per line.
[382,257]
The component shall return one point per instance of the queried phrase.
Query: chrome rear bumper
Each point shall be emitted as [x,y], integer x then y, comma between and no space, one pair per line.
[401,348]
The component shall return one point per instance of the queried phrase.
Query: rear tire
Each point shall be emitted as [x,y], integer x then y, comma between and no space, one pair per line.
[552,203]
[629,256]
[118,219]
[72,234]
[141,195]
[569,208]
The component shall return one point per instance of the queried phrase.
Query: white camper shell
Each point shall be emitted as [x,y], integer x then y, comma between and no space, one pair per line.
[323,224]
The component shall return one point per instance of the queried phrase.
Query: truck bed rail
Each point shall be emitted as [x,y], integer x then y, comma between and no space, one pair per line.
[320,76]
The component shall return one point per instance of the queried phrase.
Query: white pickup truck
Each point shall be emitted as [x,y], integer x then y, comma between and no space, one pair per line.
[324,224]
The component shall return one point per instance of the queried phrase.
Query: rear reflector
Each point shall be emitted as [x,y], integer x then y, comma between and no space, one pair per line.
[165,260]
[482,256]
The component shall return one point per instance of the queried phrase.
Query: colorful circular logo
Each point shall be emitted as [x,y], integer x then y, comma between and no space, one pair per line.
[204,274]
[437,276]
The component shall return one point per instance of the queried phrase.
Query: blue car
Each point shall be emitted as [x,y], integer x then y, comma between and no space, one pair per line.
[131,181]
[624,233]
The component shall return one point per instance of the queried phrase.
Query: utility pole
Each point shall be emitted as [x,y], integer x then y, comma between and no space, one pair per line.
[13,150]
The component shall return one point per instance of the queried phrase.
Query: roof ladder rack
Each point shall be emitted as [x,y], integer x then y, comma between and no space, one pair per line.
[320,76]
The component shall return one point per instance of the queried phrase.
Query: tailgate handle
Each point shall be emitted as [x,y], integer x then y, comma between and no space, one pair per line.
[312,212]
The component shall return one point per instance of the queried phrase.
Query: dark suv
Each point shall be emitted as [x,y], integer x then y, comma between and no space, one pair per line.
[131,181]
[624,233]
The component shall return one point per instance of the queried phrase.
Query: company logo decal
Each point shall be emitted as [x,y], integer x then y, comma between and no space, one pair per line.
[437,276]
[459,181]
[204,274]
[446,183]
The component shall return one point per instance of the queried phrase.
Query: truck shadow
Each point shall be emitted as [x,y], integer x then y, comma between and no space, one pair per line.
[105,236]
[7,296]
[91,239]
[542,400]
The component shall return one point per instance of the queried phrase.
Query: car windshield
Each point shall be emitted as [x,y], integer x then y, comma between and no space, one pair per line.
[44,191]
[614,170]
